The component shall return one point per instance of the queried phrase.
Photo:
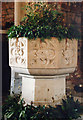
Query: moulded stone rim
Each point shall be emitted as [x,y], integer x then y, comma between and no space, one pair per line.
[44,77]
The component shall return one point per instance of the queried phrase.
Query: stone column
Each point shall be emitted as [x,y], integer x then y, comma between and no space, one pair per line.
[16,81]
[12,80]
[18,12]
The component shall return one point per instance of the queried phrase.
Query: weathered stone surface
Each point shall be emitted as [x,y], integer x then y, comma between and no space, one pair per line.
[52,53]
[46,60]
[48,54]
[43,89]
[18,52]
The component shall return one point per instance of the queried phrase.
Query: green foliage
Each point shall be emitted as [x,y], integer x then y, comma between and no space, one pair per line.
[43,20]
[69,109]
[15,109]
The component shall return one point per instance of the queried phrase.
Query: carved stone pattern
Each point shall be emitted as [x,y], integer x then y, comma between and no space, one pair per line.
[17,51]
[48,54]
[68,53]
[42,54]
[52,53]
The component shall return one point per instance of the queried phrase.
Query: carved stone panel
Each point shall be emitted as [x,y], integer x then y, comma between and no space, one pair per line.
[52,53]
[18,52]
[43,54]
[67,53]
[48,54]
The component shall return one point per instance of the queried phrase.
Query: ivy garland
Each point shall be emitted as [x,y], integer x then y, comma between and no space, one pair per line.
[43,20]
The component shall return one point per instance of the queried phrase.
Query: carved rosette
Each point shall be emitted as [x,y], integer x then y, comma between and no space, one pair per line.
[48,54]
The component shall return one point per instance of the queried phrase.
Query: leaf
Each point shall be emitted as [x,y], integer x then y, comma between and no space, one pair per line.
[46,20]
[9,114]
[23,19]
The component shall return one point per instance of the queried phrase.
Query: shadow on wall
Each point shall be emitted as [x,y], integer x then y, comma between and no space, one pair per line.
[5,66]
